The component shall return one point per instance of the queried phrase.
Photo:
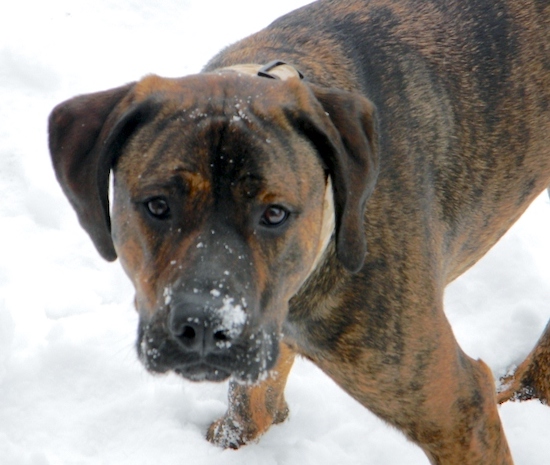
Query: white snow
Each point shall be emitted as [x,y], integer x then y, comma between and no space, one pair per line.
[232,316]
[71,388]
[167,295]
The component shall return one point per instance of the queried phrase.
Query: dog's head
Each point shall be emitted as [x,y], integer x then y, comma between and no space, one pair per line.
[218,206]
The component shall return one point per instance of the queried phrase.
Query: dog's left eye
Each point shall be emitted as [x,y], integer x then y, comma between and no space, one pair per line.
[274,215]
[158,207]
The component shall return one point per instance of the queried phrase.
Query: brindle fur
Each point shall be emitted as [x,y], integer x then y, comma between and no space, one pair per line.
[437,112]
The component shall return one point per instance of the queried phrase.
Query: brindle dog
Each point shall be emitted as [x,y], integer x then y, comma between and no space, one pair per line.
[245,197]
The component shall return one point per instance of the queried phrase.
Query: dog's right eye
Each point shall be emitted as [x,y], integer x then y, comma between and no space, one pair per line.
[158,208]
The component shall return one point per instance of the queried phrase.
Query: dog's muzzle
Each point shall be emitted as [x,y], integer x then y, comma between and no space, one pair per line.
[207,337]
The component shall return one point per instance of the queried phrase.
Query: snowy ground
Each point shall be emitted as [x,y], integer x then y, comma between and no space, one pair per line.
[71,389]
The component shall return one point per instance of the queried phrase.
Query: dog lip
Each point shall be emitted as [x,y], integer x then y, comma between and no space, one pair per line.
[202,371]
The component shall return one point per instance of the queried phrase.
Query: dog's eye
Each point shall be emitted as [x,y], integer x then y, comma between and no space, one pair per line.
[158,207]
[274,215]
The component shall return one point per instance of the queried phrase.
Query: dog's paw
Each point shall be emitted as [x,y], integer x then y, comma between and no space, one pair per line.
[231,433]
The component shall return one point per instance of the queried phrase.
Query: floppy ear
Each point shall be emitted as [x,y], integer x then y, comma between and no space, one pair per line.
[343,128]
[78,129]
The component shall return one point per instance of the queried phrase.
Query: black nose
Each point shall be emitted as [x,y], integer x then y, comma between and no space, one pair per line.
[197,326]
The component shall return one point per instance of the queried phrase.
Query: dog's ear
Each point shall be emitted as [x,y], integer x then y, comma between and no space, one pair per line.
[78,130]
[343,128]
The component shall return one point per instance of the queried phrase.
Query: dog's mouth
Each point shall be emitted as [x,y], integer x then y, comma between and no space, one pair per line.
[247,359]
[202,372]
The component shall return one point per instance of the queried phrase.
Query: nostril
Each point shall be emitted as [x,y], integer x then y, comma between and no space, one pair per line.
[188,332]
[221,336]
[200,325]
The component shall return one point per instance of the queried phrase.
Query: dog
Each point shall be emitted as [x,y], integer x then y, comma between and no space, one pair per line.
[312,192]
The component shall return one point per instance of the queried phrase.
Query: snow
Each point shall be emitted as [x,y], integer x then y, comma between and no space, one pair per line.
[231,316]
[71,388]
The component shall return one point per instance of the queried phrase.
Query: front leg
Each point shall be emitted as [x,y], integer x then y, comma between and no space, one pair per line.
[254,408]
[423,384]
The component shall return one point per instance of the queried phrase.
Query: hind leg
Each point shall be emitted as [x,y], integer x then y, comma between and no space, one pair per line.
[531,380]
